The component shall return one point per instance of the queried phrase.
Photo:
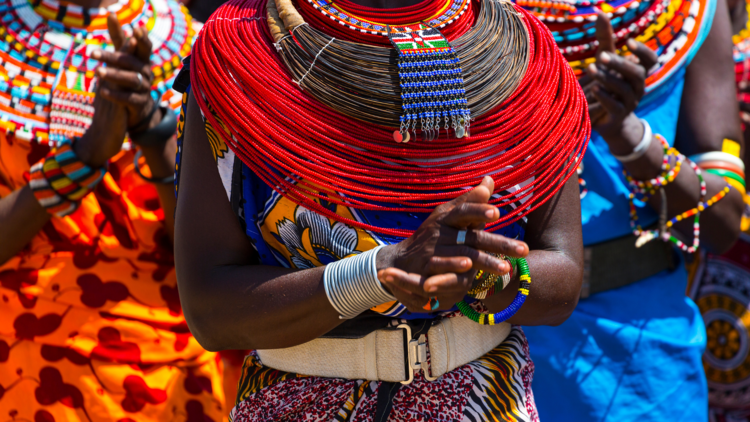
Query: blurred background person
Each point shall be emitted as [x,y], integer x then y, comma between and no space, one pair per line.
[91,326]
[660,178]
[721,284]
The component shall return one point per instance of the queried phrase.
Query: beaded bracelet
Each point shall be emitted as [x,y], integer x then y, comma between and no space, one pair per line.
[645,236]
[502,316]
[46,196]
[670,168]
[488,283]
[696,225]
[61,180]
[75,169]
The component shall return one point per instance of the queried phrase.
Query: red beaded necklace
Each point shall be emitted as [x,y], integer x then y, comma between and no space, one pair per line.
[311,154]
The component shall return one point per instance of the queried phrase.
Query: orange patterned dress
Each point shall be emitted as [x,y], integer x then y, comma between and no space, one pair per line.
[90,322]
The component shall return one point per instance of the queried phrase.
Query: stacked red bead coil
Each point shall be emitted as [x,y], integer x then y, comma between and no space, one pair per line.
[306,151]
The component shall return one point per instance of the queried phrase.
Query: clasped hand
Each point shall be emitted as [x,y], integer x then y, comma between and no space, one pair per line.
[123,98]
[614,87]
[431,263]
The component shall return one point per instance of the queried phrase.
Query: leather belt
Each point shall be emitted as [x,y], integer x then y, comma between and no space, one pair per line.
[617,263]
[391,354]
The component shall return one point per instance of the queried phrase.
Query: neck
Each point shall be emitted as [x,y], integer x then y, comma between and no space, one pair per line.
[92,3]
[386,4]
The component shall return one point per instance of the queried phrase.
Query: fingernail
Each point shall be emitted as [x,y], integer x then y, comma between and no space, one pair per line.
[520,249]
[96,54]
[592,69]
[389,279]
[604,57]
[102,71]
[465,263]
[490,213]
[632,44]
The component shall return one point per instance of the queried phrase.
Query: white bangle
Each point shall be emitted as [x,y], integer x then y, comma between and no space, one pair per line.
[639,149]
[718,156]
[352,284]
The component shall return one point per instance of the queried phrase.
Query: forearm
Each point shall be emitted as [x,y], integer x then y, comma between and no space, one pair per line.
[103,139]
[160,161]
[719,223]
[255,306]
[555,288]
[553,233]
[21,218]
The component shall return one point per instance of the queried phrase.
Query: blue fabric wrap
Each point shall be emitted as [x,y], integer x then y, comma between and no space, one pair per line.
[259,198]
[632,353]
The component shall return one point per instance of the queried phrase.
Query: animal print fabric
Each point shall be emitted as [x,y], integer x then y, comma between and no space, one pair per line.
[495,387]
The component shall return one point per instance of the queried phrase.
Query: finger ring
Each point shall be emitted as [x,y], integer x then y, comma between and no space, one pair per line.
[461,238]
[431,304]
[140,81]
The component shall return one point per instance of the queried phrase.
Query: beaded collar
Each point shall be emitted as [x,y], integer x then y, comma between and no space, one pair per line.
[452,10]
[741,40]
[741,53]
[46,74]
[669,27]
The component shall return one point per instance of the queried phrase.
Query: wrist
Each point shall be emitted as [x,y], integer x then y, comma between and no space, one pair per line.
[387,257]
[623,139]
[92,157]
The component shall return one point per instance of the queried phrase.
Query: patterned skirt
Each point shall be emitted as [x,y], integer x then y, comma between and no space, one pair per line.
[495,387]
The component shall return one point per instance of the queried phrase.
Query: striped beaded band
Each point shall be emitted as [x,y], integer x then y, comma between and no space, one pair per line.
[61,180]
[46,196]
[505,314]
[352,284]
[75,169]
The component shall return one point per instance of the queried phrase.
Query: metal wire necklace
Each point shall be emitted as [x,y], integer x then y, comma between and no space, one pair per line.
[364,81]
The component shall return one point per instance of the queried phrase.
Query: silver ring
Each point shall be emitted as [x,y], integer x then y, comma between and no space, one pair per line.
[461,238]
[140,81]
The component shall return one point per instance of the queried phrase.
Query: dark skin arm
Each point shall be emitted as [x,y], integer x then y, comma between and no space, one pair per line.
[230,303]
[120,103]
[708,114]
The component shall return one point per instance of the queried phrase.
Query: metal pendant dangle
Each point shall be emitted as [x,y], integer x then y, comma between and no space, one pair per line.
[432,88]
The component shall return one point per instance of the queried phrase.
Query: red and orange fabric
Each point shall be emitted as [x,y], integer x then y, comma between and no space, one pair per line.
[91,327]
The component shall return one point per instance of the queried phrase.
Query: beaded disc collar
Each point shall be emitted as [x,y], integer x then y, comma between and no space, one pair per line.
[672,28]
[47,80]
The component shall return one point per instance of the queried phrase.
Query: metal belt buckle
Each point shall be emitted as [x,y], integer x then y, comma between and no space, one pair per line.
[417,356]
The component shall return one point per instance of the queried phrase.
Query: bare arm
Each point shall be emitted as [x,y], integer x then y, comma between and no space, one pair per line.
[555,241]
[708,114]
[21,216]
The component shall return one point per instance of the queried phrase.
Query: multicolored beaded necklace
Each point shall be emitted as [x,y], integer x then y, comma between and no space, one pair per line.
[741,53]
[669,27]
[47,80]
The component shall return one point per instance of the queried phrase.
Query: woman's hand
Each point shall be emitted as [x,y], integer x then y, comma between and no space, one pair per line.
[431,263]
[127,78]
[618,84]
[123,98]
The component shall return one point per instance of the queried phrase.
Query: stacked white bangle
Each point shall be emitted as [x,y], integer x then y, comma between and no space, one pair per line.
[641,148]
[352,284]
